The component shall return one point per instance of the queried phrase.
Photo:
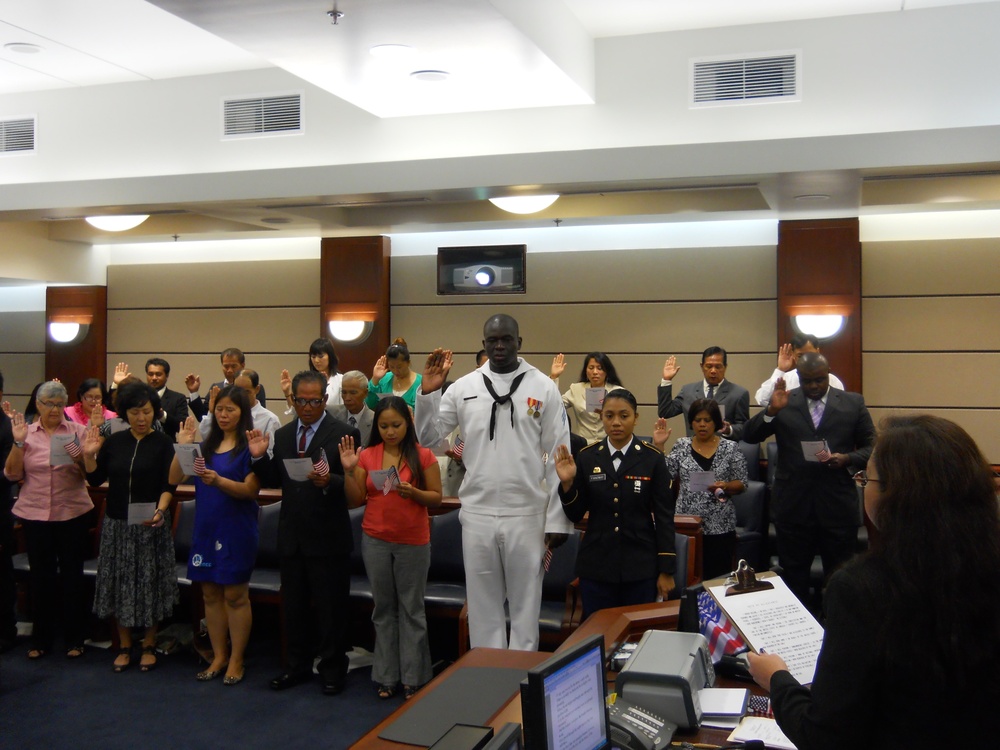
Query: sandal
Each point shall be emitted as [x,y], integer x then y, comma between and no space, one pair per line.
[147,666]
[74,652]
[36,653]
[409,691]
[386,691]
[125,651]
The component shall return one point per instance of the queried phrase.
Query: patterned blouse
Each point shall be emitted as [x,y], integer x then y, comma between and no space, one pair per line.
[728,464]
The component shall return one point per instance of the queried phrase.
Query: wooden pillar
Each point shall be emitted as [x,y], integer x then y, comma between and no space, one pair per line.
[819,271]
[354,285]
[87,356]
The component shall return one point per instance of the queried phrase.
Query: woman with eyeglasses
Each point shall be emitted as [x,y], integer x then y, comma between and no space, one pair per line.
[89,406]
[54,508]
[322,359]
[224,540]
[911,645]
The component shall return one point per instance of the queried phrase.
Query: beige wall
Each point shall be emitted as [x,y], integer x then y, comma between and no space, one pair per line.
[931,336]
[22,354]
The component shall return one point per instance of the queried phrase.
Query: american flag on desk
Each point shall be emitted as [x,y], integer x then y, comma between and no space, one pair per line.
[722,637]
[322,467]
[391,481]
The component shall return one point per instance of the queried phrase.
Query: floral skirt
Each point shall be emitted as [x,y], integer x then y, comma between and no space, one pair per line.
[136,574]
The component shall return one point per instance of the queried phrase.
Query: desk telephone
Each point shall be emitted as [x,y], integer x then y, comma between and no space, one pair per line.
[635,728]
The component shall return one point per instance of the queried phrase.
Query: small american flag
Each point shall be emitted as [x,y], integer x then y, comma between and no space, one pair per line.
[458,448]
[722,637]
[199,464]
[391,481]
[322,467]
[547,560]
[73,449]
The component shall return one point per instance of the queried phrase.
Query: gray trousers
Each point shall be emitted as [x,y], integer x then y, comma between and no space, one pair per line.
[398,574]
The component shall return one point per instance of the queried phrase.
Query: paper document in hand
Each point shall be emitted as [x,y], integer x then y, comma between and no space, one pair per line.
[386,479]
[595,399]
[59,450]
[766,730]
[776,621]
[811,450]
[298,468]
[698,481]
[186,454]
[140,513]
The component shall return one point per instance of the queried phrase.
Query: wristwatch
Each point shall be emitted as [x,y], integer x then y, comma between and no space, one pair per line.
[19,444]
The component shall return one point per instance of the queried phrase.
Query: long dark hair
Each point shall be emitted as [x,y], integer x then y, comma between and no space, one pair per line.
[939,540]
[610,374]
[323,346]
[215,435]
[408,445]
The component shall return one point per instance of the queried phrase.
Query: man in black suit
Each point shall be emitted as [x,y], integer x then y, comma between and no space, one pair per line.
[233,361]
[314,535]
[733,399]
[174,405]
[814,501]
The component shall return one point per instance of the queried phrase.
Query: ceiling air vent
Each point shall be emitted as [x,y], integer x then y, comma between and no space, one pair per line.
[263,115]
[17,136]
[746,80]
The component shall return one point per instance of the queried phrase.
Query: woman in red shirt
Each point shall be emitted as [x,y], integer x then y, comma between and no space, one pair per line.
[397,480]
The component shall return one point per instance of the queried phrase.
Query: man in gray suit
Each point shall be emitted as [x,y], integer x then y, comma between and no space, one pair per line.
[814,502]
[354,410]
[734,399]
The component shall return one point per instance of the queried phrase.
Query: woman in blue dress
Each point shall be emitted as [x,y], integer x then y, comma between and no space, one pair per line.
[224,544]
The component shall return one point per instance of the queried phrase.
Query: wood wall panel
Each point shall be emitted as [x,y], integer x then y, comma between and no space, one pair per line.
[944,324]
[702,273]
[76,361]
[932,267]
[273,283]
[22,331]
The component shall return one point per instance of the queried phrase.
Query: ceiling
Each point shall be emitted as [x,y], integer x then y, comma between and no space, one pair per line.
[499,55]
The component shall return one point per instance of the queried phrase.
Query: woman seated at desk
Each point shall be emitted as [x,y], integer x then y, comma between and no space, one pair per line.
[911,646]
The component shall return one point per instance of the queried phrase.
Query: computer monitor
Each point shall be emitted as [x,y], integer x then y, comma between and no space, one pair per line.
[564,700]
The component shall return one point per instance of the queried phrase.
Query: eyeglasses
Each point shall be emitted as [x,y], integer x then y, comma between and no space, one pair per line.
[92,399]
[308,401]
[52,404]
[862,479]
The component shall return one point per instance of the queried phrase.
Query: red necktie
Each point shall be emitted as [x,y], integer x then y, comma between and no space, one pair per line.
[302,440]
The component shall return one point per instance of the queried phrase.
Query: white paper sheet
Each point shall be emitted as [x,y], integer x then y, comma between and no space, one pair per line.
[759,728]
[811,447]
[298,468]
[723,701]
[57,449]
[698,481]
[186,453]
[777,622]
[595,399]
[140,513]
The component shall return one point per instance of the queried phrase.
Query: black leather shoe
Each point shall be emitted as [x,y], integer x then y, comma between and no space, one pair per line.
[333,687]
[290,679]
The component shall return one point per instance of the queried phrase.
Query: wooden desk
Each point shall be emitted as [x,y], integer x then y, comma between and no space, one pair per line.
[617,625]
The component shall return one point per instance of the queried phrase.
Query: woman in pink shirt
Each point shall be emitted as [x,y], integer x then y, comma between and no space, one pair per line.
[89,406]
[53,507]
[396,543]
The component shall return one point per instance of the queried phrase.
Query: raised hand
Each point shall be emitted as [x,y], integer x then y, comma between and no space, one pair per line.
[435,370]
[19,427]
[121,372]
[558,366]
[286,383]
[661,433]
[380,369]
[348,454]
[188,432]
[670,368]
[7,408]
[193,382]
[97,416]
[786,358]
[212,395]
[445,367]
[779,399]
[91,441]
[257,443]
[565,466]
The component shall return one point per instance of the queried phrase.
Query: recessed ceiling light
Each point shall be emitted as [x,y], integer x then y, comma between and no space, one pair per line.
[430,75]
[391,51]
[524,204]
[813,197]
[120,223]
[25,48]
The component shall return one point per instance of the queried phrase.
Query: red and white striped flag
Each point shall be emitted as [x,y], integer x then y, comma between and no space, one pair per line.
[458,448]
[322,467]
[199,464]
[73,449]
[391,481]
[547,560]
[722,637]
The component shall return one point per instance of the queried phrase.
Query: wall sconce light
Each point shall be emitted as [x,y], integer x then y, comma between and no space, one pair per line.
[116,223]
[69,325]
[822,327]
[350,331]
[524,204]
